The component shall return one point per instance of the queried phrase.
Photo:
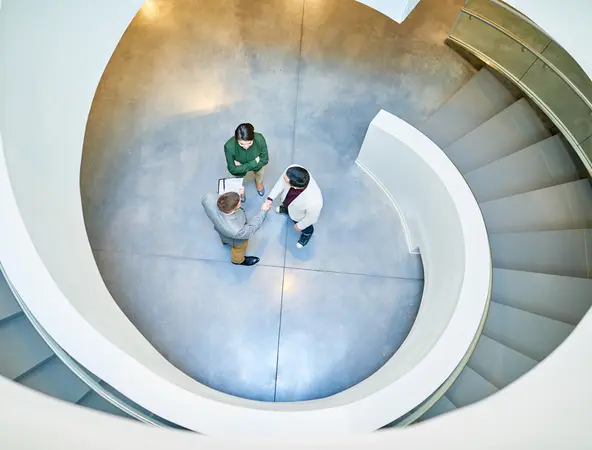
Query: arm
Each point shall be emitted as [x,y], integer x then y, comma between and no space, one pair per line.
[310,218]
[263,155]
[251,227]
[278,188]
[237,171]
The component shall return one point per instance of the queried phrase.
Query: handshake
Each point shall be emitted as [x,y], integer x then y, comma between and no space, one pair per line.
[266,206]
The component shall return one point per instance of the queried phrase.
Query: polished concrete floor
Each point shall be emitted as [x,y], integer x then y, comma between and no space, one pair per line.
[310,76]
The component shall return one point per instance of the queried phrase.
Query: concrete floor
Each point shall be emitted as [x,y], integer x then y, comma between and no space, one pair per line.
[310,76]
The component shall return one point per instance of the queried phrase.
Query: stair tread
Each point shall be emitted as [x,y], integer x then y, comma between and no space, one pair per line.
[532,335]
[476,102]
[56,379]
[556,252]
[8,304]
[513,129]
[468,388]
[442,406]
[498,364]
[95,401]
[566,299]
[544,164]
[562,207]
[22,348]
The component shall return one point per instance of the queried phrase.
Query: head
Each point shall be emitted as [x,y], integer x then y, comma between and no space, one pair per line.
[297,177]
[244,135]
[229,202]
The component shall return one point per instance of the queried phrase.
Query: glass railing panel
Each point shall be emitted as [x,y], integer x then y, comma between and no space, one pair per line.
[561,99]
[526,32]
[586,147]
[493,44]
[562,60]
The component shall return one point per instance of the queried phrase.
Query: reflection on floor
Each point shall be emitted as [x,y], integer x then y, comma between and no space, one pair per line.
[310,75]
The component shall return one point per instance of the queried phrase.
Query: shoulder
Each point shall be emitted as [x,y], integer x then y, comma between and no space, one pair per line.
[230,144]
[210,200]
[259,137]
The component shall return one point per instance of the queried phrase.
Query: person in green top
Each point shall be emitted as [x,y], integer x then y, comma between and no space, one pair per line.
[247,152]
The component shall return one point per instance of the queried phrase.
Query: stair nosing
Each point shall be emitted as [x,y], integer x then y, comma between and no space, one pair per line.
[19,378]
[10,317]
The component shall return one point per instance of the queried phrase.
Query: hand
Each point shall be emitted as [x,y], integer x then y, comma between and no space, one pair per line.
[297,229]
[241,192]
[266,206]
[236,163]
[257,160]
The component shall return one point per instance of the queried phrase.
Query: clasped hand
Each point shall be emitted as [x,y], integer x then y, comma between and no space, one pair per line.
[236,163]
[266,206]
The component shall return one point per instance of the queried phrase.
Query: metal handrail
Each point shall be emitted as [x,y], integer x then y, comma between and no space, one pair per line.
[92,382]
[526,46]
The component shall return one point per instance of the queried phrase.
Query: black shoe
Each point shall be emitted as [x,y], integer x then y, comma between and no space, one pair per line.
[304,238]
[281,210]
[249,261]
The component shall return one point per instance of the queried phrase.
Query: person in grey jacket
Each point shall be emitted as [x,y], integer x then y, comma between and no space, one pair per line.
[230,221]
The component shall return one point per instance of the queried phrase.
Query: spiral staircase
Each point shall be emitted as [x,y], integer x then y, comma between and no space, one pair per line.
[537,204]
[536,200]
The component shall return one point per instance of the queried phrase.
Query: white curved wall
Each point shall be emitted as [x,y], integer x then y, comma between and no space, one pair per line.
[445,222]
[42,114]
[55,53]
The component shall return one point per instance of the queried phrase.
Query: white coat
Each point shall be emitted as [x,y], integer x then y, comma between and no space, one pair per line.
[306,208]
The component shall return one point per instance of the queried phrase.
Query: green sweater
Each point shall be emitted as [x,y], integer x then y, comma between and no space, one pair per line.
[246,158]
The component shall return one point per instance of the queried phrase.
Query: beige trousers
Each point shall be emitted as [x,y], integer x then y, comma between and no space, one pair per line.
[259,175]
[237,253]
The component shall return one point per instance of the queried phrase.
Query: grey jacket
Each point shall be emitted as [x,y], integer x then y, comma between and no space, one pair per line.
[234,229]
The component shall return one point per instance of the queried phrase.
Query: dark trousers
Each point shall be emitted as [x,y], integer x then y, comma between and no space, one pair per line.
[308,231]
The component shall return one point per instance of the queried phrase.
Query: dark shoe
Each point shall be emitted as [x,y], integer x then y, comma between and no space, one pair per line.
[243,199]
[281,210]
[304,238]
[262,191]
[249,261]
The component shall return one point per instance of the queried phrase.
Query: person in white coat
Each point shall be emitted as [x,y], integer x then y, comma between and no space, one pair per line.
[301,200]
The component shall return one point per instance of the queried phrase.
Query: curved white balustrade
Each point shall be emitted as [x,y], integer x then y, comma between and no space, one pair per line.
[51,64]
[46,254]
[442,219]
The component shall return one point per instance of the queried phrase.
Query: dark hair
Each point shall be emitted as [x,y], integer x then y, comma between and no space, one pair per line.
[298,176]
[227,202]
[244,132]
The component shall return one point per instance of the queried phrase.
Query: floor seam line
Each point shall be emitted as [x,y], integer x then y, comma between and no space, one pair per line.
[356,274]
[278,266]
[277,353]
[298,68]
[182,258]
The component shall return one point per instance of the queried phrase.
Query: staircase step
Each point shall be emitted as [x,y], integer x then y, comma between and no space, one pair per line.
[533,336]
[498,364]
[8,304]
[566,299]
[513,129]
[442,406]
[57,380]
[546,163]
[22,348]
[562,207]
[469,387]
[476,102]
[95,401]
[562,252]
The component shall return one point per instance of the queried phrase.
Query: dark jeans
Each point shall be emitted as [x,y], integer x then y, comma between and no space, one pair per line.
[308,231]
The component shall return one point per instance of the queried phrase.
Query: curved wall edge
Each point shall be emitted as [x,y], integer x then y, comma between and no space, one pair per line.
[521,412]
